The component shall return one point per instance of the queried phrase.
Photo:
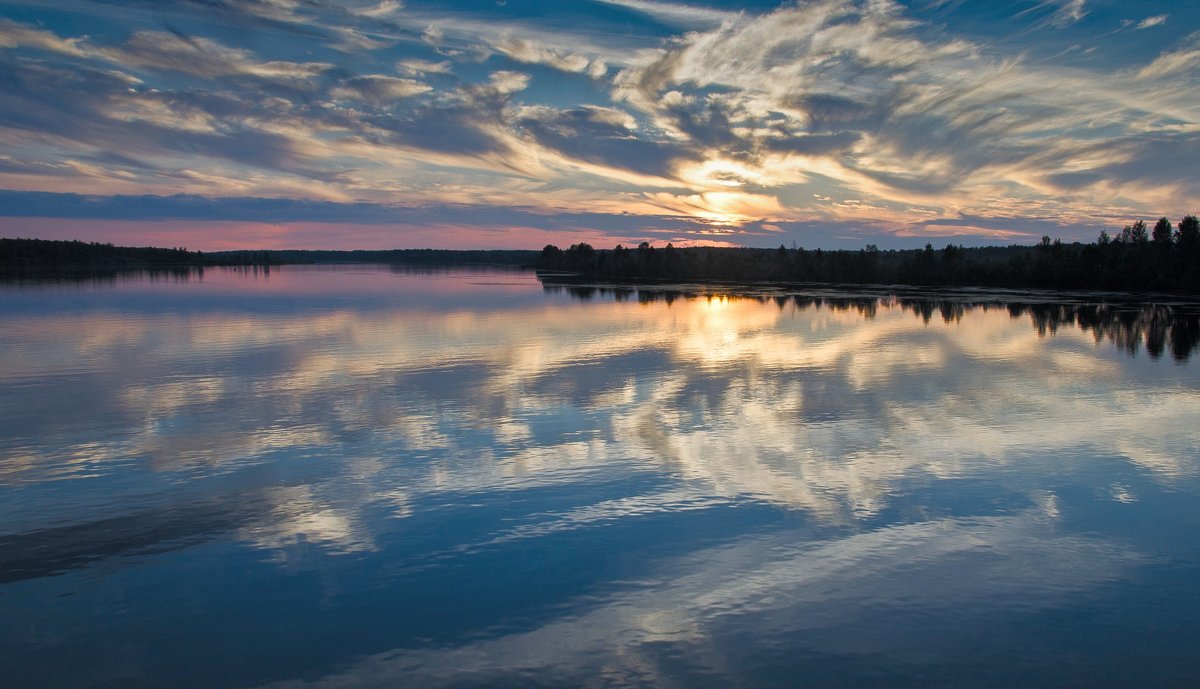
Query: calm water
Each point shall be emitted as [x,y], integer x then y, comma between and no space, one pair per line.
[355,477]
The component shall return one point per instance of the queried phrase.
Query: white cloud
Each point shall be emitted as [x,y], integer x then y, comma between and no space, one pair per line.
[160,50]
[1148,22]
[385,8]
[379,89]
[506,81]
[1170,63]
[527,51]
[1069,12]
[14,35]
[857,99]
[205,58]
[923,121]
[416,67]
[678,14]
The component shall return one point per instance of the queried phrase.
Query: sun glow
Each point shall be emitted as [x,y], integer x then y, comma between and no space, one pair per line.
[720,208]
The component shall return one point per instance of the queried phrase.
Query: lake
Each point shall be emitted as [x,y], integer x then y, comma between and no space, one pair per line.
[369,477]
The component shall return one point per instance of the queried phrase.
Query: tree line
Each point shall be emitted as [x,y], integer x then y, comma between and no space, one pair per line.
[33,257]
[1138,258]
[43,255]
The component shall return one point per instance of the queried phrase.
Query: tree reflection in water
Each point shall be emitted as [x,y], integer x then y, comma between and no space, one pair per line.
[1129,324]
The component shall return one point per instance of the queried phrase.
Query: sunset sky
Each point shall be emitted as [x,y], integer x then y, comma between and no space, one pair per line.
[217,124]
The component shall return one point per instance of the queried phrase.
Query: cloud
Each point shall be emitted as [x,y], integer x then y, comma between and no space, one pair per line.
[160,50]
[523,50]
[1145,165]
[881,110]
[247,126]
[1171,63]
[348,27]
[1069,12]
[15,35]
[78,108]
[206,58]
[1150,22]
[379,89]
[417,67]
[604,137]
[721,207]
[860,102]
[800,80]
[385,8]
[678,14]
[506,82]
[19,205]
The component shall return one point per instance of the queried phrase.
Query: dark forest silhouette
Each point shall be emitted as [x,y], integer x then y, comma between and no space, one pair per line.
[51,256]
[1139,258]
[1166,258]
[34,257]
[18,254]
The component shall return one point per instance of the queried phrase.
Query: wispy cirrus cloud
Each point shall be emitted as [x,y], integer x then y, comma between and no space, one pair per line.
[931,121]
[679,14]
[1068,12]
[1149,22]
[527,51]
[163,51]
[1173,62]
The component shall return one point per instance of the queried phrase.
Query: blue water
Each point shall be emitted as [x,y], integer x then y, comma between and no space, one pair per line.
[363,477]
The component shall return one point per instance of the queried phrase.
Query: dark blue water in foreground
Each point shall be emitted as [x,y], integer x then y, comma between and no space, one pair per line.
[356,477]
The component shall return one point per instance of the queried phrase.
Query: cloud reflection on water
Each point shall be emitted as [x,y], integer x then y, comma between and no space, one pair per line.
[338,424]
[851,598]
[810,407]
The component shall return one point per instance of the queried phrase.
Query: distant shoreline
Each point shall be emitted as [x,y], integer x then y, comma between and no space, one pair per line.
[1166,261]
[45,256]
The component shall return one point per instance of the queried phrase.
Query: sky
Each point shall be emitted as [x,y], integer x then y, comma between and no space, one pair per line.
[219,124]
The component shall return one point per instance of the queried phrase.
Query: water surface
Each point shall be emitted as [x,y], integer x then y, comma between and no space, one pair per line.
[362,477]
